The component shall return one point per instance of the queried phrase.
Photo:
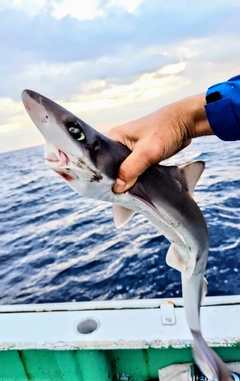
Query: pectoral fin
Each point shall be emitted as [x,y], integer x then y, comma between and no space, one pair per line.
[121,215]
[184,263]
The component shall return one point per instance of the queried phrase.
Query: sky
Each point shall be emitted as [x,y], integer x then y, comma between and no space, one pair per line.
[110,61]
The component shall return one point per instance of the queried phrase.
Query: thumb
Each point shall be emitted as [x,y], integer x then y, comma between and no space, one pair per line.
[133,166]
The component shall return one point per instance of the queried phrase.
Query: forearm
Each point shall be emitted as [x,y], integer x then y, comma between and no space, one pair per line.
[189,115]
[163,133]
[194,116]
[216,112]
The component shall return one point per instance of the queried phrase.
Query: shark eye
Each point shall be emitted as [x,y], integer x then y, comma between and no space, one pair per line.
[76,133]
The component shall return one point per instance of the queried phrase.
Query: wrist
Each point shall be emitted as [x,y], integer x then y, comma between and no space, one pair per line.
[195,117]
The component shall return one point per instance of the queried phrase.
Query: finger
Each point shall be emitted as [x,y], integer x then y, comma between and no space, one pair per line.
[135,164]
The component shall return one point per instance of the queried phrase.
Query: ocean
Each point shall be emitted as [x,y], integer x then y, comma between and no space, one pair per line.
[57,246]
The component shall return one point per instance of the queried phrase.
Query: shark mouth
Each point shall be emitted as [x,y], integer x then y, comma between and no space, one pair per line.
[58,162]
[59,157]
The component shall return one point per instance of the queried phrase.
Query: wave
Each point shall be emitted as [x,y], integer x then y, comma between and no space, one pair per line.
[57,246]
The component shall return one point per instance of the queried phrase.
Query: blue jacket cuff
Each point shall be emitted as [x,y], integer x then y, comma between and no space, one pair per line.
[224,114]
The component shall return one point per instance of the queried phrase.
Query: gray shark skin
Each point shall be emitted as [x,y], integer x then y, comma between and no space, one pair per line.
[88,161]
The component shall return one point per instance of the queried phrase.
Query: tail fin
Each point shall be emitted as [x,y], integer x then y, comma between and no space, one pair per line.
[208,361]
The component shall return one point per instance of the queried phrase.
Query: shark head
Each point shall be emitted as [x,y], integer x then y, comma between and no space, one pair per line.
[74,149]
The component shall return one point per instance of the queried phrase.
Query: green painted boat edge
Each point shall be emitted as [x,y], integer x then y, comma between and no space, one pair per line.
[97,365]
[129,364]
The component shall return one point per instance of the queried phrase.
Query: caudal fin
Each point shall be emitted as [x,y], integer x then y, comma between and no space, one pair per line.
[208,361]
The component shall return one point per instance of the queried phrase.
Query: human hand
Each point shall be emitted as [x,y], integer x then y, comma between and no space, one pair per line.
[158,136]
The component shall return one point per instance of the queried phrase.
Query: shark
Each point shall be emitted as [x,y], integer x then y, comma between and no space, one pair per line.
[89,161]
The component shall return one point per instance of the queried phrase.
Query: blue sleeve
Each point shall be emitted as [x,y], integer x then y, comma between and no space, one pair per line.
[224,113]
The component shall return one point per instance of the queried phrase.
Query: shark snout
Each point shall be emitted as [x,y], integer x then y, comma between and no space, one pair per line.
[35,108]
[49,119]
[31,100]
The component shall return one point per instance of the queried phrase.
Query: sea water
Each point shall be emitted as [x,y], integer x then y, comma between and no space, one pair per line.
[57,246]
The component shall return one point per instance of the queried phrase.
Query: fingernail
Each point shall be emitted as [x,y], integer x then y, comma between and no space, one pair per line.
[119,185]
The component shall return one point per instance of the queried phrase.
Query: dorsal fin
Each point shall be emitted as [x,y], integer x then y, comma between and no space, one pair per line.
[188,174]
[192,172]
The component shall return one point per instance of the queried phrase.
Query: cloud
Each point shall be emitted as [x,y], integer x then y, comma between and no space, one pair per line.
[147,86]
[81,9]
[129,6]
[65,40]
[112,47]
[111,54]
[32,7]
[9,109]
